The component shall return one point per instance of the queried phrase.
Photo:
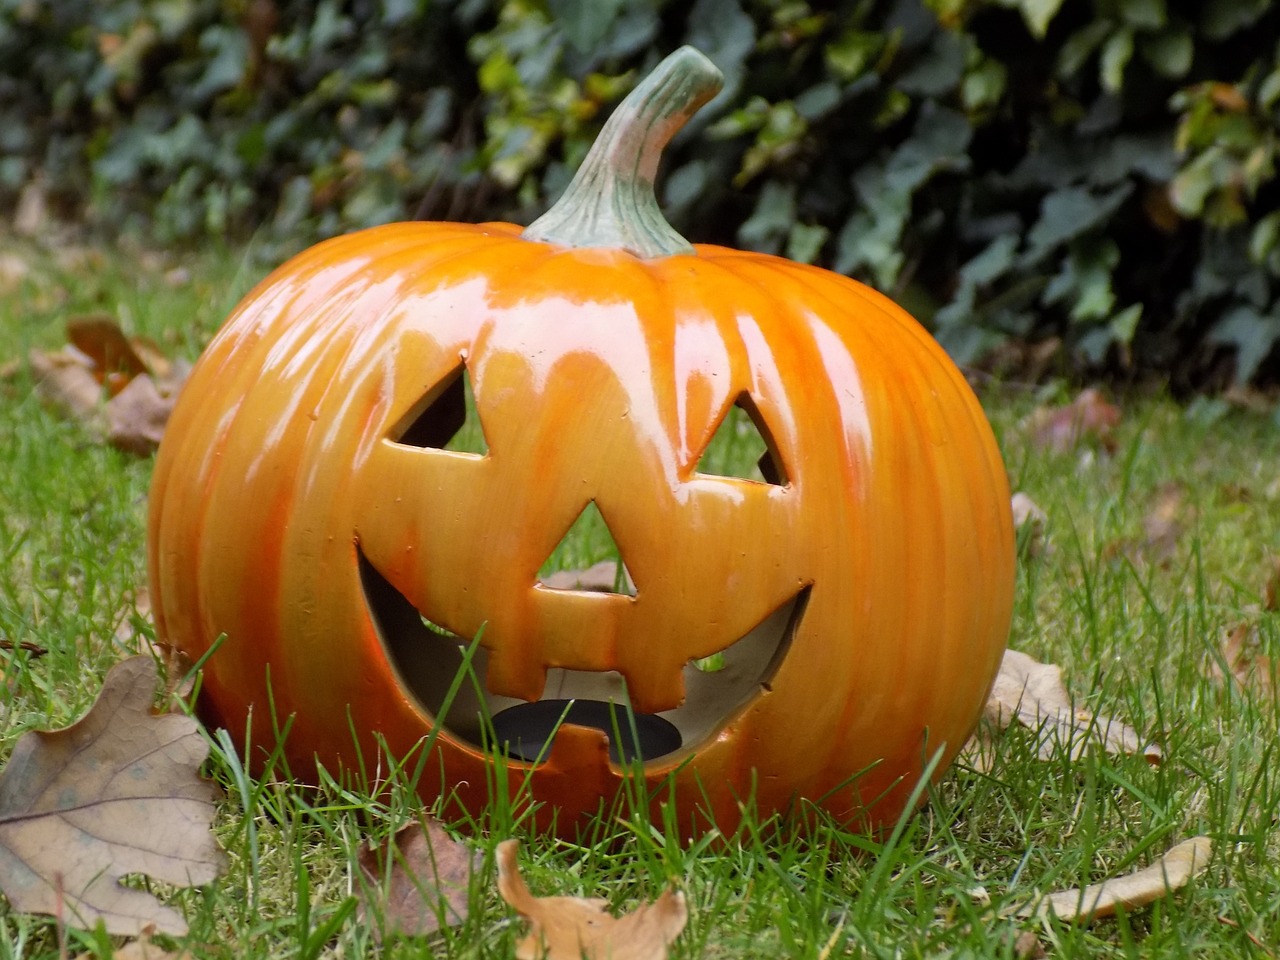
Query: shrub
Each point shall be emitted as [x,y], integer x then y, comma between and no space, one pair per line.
[1023,174]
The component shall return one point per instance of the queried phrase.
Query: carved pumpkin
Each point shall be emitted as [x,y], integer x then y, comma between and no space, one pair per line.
[306,504]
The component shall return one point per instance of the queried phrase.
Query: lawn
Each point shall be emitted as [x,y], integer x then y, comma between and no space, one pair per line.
[1151,554]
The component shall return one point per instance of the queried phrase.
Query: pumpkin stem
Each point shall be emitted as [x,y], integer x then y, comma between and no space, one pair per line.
[611,202]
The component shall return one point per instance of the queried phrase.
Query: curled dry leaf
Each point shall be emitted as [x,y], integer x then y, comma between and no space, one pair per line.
[1171,872]
[137,415]
[1165,522]
[418,883]
[1245,663]
[1033,694]
[108,351]
[1271,591]
[574,928]
[1030,521]
[141,949]
[1241,652]
[65,383]
[13,270]
[118,792]
[1027,946]
[140,383]
[1089,419]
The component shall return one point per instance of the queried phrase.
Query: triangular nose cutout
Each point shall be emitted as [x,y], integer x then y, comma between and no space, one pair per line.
[587,558]
[444,419]
[743,447]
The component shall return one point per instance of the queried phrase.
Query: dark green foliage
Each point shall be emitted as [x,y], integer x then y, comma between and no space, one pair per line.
[1097,171]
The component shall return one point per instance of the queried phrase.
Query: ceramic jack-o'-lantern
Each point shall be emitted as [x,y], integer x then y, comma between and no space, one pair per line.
[311,504]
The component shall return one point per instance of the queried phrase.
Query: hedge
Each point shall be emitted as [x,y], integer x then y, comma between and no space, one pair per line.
[1087,180]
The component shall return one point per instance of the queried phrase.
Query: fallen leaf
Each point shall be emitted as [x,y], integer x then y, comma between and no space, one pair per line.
[1245,663]
[1241,649]
[1033,694]
[574,928]
[132,636]
[118,792]
[1165,522]
[141,949]
[418,883]
[1089,419]
[31,217]
[141,382]
[13,270]
[1171,872]
[1029,521]
[137,415]
[66,383]
[1028,946]
[100,338]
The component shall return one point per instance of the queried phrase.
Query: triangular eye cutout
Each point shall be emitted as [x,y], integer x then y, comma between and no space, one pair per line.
[743,447]
[444,419]
[587,558]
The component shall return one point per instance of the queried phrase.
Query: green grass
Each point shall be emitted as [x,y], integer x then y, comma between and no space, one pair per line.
[1132,630]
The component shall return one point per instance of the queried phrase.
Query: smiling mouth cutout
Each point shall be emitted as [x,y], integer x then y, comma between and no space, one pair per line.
[426,659]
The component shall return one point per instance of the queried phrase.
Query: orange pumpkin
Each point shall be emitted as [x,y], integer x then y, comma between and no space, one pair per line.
[305,505]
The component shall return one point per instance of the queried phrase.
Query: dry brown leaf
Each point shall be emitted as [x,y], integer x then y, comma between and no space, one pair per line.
[1241,652]
[65,382]
[1028,517]
[1033,694]
[13,270]
[1247,665]
[1028,946]
[131,637]
[118,792]
[142,383]
[418,883]
[574,928]
[1171,872]
[100,338]
[141,949]
[1166,521]
[1089,419]
[31,218]
[137,415]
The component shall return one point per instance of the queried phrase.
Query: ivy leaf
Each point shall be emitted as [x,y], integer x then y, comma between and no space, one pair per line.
[1144,14]
[585,22]
[1116,54]
[1069,212]
[1037,13]
[1170,53]
[1252,334]
[727,35]
[117,792]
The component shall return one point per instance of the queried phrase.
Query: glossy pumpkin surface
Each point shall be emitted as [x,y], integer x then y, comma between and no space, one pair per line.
[300,508]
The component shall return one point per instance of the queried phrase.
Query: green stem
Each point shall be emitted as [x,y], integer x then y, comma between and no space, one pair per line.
[611,201]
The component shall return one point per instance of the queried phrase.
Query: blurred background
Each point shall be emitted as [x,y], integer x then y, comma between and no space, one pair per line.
[1070,187]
